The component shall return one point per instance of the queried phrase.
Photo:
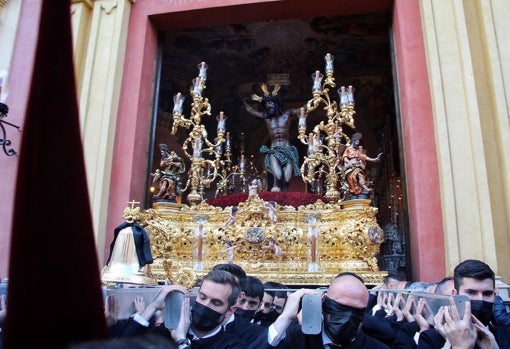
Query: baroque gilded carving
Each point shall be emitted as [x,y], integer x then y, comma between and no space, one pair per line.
[304,246]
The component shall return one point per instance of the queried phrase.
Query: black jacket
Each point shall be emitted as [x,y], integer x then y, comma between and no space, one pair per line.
[296,339]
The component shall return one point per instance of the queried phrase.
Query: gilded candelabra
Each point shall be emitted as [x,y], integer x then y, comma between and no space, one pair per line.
[325,140]
[232,176]
[227,172]
[204,155]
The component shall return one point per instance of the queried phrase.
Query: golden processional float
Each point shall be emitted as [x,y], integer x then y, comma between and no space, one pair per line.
[301,244]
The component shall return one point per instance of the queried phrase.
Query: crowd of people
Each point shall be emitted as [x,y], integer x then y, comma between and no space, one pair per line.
[230,309]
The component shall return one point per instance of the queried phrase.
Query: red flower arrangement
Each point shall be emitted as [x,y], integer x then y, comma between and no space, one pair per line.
[294,199]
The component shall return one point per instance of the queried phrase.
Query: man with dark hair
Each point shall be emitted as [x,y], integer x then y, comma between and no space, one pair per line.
[263,315]
[475,279]
[232,268]
[251,296]
[473,269]
[240,324]
[200,326]
[280,296]
[391,281]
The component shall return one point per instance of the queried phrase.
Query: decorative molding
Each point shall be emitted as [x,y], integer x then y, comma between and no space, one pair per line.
[108,6]
[88,3]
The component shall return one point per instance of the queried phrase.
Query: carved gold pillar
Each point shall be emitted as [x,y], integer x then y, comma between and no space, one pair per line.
[466,52]
[103,63]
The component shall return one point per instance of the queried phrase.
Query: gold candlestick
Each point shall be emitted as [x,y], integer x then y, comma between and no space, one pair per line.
[324,159]
[203,153]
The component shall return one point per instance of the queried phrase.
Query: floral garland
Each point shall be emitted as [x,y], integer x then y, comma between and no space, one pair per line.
[294,199]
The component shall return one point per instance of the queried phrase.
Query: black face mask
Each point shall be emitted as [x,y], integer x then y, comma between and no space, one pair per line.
[245,314]
[482,310]
[341,322]
[266,318]
[272,316]
[204,318]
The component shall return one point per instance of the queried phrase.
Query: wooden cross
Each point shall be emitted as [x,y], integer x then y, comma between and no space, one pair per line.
[132,203]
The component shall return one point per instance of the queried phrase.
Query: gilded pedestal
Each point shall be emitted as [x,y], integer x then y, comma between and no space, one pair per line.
[315,242]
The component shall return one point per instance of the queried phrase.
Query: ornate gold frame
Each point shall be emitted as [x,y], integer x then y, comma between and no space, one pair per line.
[187,241]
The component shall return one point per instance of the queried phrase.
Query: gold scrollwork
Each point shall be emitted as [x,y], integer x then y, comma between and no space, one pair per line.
[332,237]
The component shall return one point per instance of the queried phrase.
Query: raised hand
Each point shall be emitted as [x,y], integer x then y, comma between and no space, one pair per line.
[422,322]
[461,333]
[139,304]
[388,304]
[111,310]
[184,322]
[408,309]
[290,311]
[398,307]
[158,302]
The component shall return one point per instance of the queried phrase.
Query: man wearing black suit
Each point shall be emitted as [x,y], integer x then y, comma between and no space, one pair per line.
[200,326]
[240,323]
[343,308]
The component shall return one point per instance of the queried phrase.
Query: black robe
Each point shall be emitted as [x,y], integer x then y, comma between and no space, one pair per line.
[221,340]
[296,339]
[252,334]
[381,329]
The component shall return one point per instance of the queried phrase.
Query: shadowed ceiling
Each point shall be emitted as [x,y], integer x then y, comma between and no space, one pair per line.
[241,56]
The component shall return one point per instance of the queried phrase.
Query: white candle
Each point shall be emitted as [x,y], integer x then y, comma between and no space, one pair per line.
[343,96]
[302,119]
[317,79]
[202,71]
[227,140]
[242,162]
[221,121]
[350,97]
[178,100]
[197,87]
[329,63]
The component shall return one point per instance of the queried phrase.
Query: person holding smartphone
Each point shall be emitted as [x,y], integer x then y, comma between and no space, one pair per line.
[200,324]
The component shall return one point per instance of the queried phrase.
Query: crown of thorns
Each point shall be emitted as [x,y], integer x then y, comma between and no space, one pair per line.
[267,94]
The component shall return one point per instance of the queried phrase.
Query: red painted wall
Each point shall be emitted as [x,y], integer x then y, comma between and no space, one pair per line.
[423,193]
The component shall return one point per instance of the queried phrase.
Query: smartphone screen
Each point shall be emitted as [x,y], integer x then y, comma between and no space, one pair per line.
[311,319]
[173,304]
